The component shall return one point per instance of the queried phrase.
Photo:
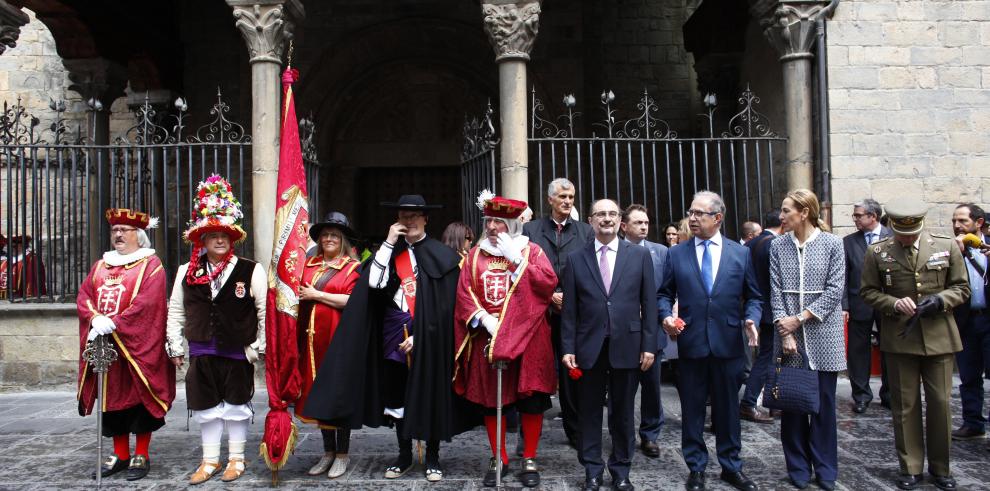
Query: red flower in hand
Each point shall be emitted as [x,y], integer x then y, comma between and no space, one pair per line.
[575,373]
[679,323]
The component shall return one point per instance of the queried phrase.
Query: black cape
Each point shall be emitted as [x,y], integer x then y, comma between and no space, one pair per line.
[347,392]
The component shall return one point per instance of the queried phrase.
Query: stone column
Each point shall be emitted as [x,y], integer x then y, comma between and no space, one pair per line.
[11,21]
[512,27]
[267,27]
[100,82]
[789,25]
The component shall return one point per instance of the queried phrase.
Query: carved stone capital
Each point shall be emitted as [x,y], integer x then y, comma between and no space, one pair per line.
[789,25]
[97,78]
[11,20]
[511,27]
[267,26]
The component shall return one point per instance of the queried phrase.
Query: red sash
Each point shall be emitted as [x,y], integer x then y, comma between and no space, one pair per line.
[407,279]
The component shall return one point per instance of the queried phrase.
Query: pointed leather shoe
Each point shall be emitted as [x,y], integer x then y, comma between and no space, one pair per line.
[593,483]
[945,483]
[530,474]
[623,485]
[739,481]
[650,449]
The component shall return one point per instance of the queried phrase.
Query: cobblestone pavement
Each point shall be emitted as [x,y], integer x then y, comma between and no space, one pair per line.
[48,446]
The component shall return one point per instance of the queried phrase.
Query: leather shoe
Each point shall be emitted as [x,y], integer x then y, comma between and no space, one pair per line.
[908,481]
[112,465]
[968,433]
[755,415]
[138,467]
[695,482]
[489,480]
[530,474]
[650,448]
[593,483]
[776,413]
[859,407]
[799,484]
[944,482]
[623,485]
[739,480]
[825,484]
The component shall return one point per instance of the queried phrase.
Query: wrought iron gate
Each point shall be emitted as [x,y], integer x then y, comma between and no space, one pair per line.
[479,165]
[54,188]
[639,159]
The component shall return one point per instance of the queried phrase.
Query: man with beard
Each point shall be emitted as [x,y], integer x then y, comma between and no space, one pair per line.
[559,235]
[392,356]
[501,316]
[124,298]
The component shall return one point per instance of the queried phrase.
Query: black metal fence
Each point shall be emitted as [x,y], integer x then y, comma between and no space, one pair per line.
[54,189]
[640,159]
[479,165]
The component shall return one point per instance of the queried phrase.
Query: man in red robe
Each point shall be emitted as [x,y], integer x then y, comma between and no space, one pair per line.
[505,287]
[27,275]
[124,298]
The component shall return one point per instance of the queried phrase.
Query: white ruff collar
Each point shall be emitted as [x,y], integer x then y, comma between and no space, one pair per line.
[114,258]
[487,246]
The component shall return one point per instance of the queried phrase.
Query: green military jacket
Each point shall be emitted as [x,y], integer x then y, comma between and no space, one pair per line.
[888,276]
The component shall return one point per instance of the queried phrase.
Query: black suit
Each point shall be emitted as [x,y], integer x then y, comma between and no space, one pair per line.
[572,237]
[607,332]
[861,320]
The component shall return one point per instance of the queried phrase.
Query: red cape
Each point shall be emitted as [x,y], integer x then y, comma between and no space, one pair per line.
[142,373]
[522,338]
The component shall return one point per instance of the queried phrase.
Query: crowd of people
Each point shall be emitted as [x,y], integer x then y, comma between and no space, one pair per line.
[435,337]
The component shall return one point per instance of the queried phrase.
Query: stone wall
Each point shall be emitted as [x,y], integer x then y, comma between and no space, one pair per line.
[39,345]
[910,105]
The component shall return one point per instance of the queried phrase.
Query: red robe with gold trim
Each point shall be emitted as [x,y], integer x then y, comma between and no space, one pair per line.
[134,297]
[318,321]
[523,336]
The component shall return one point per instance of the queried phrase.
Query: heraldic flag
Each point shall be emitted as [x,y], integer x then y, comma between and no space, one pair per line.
[288,257]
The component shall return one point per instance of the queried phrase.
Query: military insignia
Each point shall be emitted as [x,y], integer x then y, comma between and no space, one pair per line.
[877,249]
[109,294]
[239,289]
[937,255]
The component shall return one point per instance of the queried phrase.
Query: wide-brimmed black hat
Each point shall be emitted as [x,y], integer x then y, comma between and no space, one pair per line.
[412,202]
[334,219]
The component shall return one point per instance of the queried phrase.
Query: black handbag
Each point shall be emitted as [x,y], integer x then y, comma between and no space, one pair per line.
[792,389]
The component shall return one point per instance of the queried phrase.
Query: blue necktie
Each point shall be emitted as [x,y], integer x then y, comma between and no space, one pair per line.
[870,237]
[706,267]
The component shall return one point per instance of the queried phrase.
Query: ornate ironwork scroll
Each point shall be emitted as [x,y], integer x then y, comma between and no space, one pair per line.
[749,122]
[479,134]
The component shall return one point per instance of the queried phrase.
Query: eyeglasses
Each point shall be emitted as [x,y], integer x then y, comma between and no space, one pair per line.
[603,214]
[121,230]
[700,213]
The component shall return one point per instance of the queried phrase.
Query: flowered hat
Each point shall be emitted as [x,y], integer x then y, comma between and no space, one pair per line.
[215,209]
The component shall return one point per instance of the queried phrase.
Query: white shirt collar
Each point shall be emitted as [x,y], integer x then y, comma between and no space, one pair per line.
[114,258]
[613,245]
[876,230]
[562,224]
[815,232]
[716,240]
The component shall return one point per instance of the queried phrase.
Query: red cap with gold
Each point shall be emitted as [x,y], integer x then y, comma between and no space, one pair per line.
[499,207]
[124,216]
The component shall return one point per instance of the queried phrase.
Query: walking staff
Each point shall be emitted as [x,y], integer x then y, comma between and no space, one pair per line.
[99,355]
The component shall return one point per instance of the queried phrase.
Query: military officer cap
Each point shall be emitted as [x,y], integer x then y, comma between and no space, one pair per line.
[907,217]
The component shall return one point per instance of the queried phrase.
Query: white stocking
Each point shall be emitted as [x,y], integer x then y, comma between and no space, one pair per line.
[211,432]
[237,437]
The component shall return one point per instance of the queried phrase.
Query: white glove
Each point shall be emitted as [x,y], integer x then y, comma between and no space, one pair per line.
[100,325]
[490,323]
[508,248]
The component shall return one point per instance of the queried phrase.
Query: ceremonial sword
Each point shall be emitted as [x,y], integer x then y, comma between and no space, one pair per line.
[99,354]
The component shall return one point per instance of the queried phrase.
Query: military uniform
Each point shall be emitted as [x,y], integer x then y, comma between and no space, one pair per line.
[933,265]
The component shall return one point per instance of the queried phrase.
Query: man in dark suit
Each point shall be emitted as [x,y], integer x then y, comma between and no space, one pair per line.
[635,229]
[759,250]
[713,280]
[866,216]
[609,331]
[973,320]
[558,236]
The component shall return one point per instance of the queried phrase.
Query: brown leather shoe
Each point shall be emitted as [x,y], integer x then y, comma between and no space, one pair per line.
[776,413]
[968,433]
[235,467]
[755,415]
[204,472]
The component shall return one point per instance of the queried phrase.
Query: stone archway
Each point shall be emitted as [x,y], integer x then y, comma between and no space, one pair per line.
[389,107]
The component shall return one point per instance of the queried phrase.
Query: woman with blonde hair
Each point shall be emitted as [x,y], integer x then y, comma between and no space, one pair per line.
[807,278]
[328,279]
